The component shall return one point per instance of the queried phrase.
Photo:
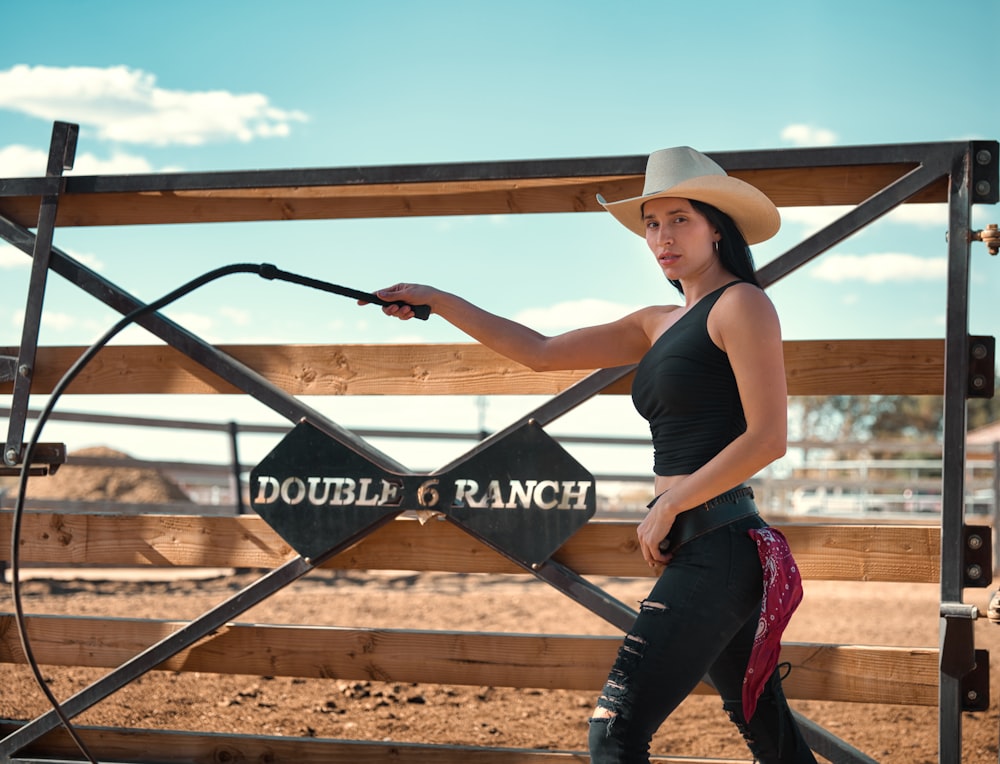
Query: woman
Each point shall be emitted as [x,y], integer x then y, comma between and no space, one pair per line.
[711,381]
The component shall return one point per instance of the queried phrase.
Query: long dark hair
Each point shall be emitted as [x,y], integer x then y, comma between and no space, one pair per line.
[734,252]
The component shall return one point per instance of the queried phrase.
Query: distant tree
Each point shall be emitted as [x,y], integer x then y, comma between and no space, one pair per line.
[910,417]
[984,411]
[832,418]
[860,418]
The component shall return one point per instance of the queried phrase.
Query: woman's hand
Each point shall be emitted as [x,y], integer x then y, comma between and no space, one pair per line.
[403,296]
[653,530]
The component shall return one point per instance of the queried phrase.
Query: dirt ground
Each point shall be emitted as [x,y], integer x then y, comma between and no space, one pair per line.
[487,716]
[870,613]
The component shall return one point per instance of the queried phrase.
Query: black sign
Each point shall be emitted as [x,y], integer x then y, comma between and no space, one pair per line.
[523,495]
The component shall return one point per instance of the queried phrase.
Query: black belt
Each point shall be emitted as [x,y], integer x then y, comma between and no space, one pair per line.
[715,513]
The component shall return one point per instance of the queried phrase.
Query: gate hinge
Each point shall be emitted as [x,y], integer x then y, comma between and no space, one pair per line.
[985,172]
[46,459]
[977,555]
[976,684]
[982,366]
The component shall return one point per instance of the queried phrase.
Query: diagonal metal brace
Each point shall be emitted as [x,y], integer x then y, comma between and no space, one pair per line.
[863,214]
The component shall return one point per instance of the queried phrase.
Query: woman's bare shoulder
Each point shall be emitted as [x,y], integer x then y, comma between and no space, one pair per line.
[743,311]
[743,298]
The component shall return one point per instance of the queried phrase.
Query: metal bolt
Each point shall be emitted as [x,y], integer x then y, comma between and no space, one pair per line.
[979,351]
[983,188]
[979,381]
[972,695]
[983,157]
[974,572]
[10,456]
[975,541]
[24,370]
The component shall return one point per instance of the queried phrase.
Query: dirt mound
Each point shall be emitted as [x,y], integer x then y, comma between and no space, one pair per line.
[87,482]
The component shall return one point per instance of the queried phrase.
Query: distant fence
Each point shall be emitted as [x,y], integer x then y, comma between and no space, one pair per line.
[826,486]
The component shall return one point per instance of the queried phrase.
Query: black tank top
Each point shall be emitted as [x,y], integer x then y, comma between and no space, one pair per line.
[685,387]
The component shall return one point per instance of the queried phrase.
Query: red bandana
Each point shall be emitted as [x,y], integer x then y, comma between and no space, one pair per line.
[782,594]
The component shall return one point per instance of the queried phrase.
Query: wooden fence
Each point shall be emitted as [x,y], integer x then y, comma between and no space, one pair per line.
[874,178]
[849,673]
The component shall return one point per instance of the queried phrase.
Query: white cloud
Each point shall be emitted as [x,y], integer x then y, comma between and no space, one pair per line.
[57,321]
[125,105]
[12,257]
[879,268]
[235,316]
[91,261]
[18,161]
[815,218]
[812,218]
[22,162]
[196,323]
[133,334]
[920,214]
[119,163]
[572,314]
[61,322]
[808,135]
[936,215]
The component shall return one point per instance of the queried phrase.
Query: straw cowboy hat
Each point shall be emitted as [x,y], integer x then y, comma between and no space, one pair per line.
[688,174]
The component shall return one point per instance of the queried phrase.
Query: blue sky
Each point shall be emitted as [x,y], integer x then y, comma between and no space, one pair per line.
[208,86]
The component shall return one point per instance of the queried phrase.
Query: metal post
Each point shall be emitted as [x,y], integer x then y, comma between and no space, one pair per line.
[953,459]
[241,508]
[995,508]
[62,152]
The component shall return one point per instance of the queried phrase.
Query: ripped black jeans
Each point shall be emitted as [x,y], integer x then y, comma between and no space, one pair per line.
[699,619]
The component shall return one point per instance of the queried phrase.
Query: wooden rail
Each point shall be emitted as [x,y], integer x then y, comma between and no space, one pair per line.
[328,195]
[901,553]
[893,675]
[135,745]
[827,367]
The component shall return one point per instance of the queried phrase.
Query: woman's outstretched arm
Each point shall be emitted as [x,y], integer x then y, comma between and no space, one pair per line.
[612,344]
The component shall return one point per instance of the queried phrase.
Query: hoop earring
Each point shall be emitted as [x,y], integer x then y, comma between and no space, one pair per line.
[716,244]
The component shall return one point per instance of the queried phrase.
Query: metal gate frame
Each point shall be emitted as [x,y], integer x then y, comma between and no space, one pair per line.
[971,170]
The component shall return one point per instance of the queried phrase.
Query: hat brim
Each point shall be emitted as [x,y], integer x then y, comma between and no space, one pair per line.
[754,214]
